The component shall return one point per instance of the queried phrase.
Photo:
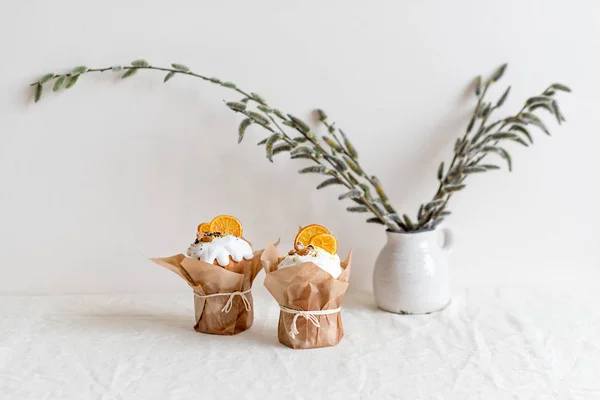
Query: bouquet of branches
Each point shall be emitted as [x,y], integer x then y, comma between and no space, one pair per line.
[333,155]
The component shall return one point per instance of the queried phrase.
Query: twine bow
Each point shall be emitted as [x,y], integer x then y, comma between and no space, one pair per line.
[229,304]
[308,315]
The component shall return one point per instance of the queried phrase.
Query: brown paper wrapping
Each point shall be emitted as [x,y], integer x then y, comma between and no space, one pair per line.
[205,279]
[306,287]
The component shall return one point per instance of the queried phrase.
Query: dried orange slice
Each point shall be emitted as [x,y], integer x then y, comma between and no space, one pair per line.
[204,227]
[307,232]
[325,241]
[226,224]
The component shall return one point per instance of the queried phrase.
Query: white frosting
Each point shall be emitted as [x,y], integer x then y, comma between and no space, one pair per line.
[220,249]
[327,262]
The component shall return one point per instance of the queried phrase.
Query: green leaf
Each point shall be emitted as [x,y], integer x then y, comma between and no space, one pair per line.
[408,222]
[259,118]
[339,164]
[258,98]
[242,128]
[229,85]
[440,173]
[378,207]
[129,72]
[366,190]
[180,67]
[38,92]
[332,144]
[420,212]
[169,76]
[299,124]
[501,152]
[502,135]
[453,188]
[349,146]
[79,70]
[215,80]
[240,107]
[280,114]
[288,123]
[140,63]
[269,145]
[514,120]
[328,182]
[478,86]
[545,106]
[303,156]
[359,209]
[352,194]
[490,166]
[560,87]
[375,220]
[458,144]
[262,141]
[471,124]
[521,141]
[116,68]
[473,170]
[72,81]
[265,109]
[557,112]
[315,169]
[353,166]
[352,179]
[395,217]
[379,188]
[300,139]
[485,110]
[280,148]
[46,78]
[433,204]
[498,73]
[321,114]
[524,131]
[58,83]
[301,150]
[503,97]
[538,99]
[533,119]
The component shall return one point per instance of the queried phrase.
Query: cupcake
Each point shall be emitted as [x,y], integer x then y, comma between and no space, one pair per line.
[220,266]
[218,248]
[309,284]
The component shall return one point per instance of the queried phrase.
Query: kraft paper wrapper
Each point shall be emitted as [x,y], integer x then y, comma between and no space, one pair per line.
[206,278]
[306,287]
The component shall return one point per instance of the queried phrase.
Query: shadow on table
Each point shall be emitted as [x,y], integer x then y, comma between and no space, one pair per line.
[256,336]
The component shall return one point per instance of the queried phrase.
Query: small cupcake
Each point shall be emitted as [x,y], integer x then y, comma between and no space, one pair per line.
[220,267]
[309,284]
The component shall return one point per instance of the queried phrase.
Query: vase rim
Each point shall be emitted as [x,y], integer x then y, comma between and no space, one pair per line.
[411,232]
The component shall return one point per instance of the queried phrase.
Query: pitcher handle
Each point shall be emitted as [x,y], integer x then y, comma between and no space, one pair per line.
[448,240]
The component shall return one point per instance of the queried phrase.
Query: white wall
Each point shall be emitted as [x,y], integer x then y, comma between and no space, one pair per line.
[99,177]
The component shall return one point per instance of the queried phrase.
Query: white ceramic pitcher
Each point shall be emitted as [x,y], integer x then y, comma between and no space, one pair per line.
[411,272]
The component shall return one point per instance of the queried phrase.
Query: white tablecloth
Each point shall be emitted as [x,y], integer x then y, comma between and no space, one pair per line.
[503,343]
